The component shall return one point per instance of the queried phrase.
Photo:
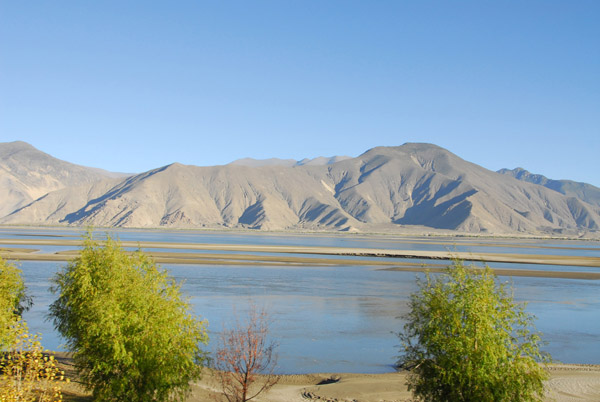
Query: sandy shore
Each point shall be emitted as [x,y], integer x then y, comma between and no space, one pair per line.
[243,254]
[567,383]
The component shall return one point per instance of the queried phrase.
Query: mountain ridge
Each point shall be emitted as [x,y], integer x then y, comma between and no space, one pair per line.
[318,161]
[414,185]
[27,173]
[583,191]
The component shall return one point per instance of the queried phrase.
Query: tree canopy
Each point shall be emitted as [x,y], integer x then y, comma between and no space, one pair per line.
[13,301]
[466,339]
[131,332]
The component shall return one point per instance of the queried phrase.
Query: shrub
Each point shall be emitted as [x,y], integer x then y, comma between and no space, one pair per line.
[466,339]
[130,331]
[245,358]
[28,373]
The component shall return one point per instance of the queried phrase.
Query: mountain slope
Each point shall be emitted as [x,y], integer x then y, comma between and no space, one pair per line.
[386,187]
[427,185]
[27,174]
[190,196]
[583,191]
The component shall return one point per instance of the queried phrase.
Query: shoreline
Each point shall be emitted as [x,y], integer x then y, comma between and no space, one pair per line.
[567,382]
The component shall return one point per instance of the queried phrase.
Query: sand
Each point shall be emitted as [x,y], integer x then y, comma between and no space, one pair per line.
[567,383]
[244,254]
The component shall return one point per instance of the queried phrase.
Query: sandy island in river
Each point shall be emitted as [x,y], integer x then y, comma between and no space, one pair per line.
[233,254]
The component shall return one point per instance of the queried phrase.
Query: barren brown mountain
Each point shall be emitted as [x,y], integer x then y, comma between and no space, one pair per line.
[386,188]
[583,191]
[27,174]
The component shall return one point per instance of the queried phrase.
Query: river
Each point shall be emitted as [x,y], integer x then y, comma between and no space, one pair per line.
[344,318]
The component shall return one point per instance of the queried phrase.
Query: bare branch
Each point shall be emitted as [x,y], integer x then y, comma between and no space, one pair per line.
[245,359]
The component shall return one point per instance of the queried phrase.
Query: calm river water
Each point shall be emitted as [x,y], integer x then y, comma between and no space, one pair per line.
[344,318]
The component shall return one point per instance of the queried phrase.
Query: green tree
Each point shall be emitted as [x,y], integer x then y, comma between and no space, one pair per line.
[13,301]
[466,339]
[130,331]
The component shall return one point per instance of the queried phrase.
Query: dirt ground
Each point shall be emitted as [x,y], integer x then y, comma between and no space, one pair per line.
[567,383]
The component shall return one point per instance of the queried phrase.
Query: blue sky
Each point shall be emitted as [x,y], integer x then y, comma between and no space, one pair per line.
[134,85]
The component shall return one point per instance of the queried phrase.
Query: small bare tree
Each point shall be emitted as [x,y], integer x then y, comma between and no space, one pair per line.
[245,359]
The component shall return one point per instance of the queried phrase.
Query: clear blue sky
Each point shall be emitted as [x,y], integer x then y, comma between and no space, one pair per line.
[134,85]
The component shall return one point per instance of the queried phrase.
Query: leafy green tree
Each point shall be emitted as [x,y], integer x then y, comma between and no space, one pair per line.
[130,331]
[466,339]
[13,301]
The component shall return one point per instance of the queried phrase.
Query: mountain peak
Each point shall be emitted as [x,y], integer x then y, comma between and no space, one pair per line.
[407,148]
[20,144]
[9,148]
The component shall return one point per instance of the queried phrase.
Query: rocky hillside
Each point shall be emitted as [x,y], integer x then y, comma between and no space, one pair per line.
[385,188]
[583,191]
[27,174]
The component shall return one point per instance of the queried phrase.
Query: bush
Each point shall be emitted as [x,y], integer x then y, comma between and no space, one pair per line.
[466,339]
[28,373]
[13,301]
[131,333]
[245,359]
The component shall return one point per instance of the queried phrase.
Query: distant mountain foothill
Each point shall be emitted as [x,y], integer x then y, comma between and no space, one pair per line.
[410,188]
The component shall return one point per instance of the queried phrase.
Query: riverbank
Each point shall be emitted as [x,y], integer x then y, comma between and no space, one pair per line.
[567,383]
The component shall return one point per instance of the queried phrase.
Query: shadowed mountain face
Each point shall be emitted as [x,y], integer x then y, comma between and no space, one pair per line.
[385,188]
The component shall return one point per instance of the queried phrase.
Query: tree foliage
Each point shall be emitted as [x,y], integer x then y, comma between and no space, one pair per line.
[466,339]
[13,301]
[130,331]
[28,374]
[245,359]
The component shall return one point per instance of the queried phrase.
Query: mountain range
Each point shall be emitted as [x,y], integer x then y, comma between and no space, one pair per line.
[410,187]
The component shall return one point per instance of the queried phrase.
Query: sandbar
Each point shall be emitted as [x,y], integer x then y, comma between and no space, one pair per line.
[283,255]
